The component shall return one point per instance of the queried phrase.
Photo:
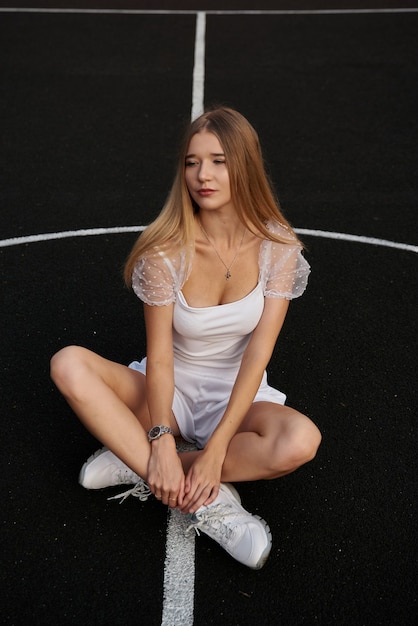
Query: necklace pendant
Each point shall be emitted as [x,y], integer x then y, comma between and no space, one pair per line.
[228,275]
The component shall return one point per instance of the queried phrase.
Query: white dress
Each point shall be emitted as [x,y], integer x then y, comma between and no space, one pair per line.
[209,341]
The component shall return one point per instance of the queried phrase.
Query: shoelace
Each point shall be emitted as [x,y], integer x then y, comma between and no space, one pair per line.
[215,517]
[127,476]
[140,491]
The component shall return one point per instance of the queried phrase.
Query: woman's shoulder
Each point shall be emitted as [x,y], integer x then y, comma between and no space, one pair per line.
[283,269]
[283,231]
[160,273]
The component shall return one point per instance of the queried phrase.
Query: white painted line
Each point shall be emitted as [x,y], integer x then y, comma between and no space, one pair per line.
[374,241]
[199,66]
[179,565]
[312,11]
[96,11]
[209,12]
[179,572]
[16,241]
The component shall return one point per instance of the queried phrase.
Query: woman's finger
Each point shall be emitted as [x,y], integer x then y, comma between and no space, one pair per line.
[172,501]
[212,497]
[199,497]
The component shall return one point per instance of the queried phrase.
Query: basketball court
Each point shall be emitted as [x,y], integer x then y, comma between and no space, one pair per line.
[93,103]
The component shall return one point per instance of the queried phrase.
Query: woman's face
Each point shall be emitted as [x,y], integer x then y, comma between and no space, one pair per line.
[206,173]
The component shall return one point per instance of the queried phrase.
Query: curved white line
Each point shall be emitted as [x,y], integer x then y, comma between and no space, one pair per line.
[373,241]
[83,232]
[87,232]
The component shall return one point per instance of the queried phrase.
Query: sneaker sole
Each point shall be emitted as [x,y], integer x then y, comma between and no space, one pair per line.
[89,460]
[261,561]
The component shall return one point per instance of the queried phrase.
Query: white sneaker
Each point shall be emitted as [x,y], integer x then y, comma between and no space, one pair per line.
[105,469]
[246,537]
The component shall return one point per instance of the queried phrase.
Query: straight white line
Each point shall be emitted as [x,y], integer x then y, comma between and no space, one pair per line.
[96,11]
[312,11]
[209,12]
[179,572]
[199,66]
[179,566]
[87,232]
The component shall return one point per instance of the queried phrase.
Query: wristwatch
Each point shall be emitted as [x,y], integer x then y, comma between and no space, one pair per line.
[157,431]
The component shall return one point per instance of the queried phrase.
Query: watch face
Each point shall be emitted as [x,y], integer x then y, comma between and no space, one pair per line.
[154,432]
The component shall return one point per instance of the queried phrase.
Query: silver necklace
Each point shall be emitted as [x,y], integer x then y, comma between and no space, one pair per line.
[228,268]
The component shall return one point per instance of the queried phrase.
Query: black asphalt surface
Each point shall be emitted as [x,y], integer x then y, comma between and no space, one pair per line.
[91,109]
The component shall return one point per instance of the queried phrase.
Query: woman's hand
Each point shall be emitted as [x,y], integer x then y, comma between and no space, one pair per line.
[202,481]
[165,472]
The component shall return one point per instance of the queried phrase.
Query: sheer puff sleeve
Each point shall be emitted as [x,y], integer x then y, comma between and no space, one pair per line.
[159,276]
[283,269]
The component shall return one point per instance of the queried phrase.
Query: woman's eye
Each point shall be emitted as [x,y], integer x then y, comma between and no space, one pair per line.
[219,162]
[190,163]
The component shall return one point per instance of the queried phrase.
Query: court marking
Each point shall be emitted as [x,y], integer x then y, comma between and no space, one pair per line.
[208,12]
[89,232]
[179,566]
[179,563]
[198,92]
[179,572]
[373,241]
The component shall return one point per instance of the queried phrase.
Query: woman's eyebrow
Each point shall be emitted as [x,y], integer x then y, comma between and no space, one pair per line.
[214,154]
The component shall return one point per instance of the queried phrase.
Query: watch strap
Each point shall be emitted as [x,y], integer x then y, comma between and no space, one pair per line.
[157,431]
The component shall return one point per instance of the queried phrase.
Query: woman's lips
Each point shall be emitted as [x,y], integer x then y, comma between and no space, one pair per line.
[205,192]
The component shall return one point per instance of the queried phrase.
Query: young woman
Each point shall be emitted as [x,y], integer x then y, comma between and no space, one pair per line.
[215,271]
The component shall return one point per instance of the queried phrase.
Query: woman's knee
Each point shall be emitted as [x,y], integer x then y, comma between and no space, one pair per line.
[298,447]
[308,443]
[66,366]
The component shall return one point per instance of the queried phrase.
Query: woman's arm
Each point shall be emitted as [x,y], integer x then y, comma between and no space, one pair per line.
[160,363]
[165,472]
[203,478]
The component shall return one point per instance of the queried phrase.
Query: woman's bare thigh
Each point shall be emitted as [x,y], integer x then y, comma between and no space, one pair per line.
[127,384]
[264,417]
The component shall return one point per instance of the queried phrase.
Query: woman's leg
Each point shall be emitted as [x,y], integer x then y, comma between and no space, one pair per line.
[272,441]
[110,400]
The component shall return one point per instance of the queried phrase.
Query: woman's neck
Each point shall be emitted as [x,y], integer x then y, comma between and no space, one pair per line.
[226,230]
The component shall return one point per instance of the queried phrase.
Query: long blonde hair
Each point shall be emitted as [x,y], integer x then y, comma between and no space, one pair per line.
[251,191]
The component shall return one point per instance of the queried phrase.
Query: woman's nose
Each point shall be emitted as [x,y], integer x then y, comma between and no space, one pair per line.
[204,172]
